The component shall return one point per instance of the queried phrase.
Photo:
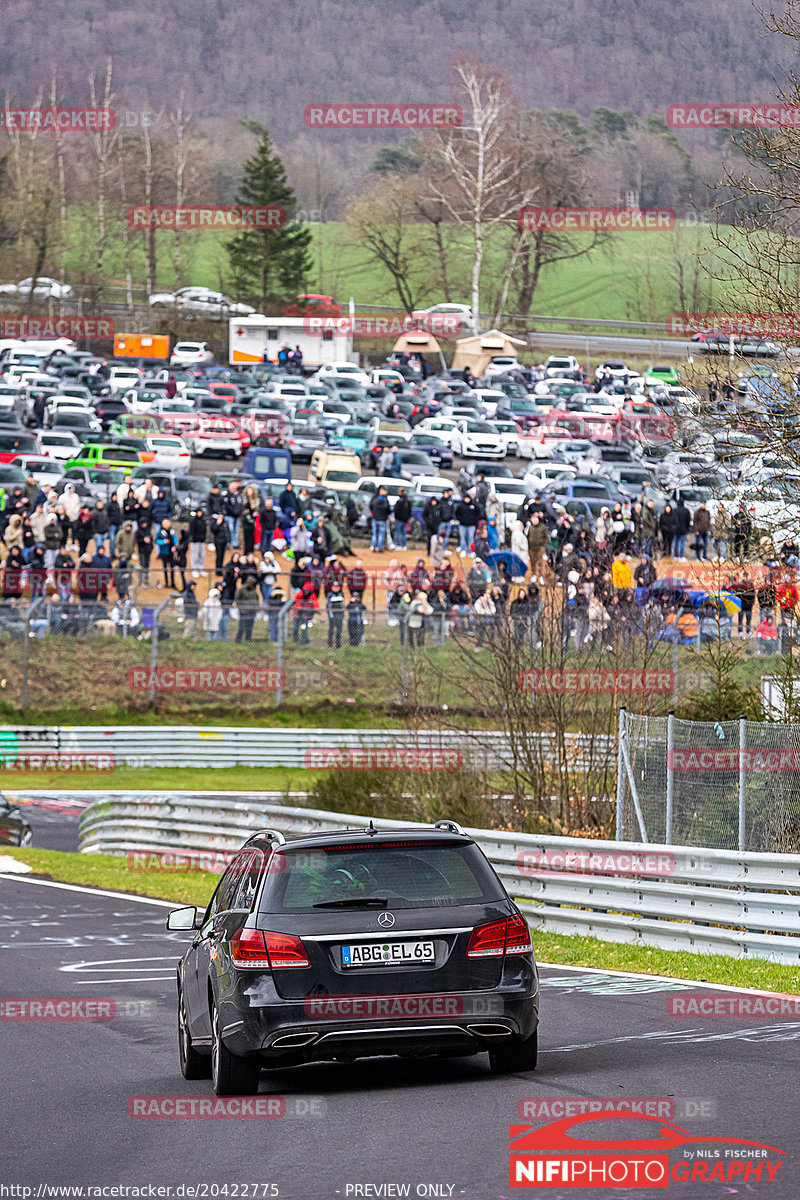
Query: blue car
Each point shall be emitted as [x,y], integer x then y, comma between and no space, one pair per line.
[437,451]
[350,437]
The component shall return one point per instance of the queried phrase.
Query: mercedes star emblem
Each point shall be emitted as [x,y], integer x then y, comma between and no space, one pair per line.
[385,920]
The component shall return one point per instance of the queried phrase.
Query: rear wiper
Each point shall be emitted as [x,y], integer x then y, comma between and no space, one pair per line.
[354,902]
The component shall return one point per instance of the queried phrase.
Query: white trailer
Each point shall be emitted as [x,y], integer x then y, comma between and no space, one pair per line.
[250,338]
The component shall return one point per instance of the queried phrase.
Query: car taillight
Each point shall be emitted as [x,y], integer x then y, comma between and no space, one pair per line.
[285,950]
[488,941]
[518,936]
[248,949]
[500,938]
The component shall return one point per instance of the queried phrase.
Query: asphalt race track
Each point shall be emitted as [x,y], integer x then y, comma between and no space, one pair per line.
[53,818]
[438,1126]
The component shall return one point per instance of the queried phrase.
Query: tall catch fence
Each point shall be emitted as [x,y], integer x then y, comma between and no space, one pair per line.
[729,785]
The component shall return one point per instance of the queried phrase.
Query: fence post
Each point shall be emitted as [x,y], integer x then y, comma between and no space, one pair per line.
[674,668]
[742,778]
[670,778]
[620,772]
[154,648]
[32,607]
[404,631]
[283,621]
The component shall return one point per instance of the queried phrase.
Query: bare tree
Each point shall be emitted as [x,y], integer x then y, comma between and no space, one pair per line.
[383,222]
[103,143]
[479,180]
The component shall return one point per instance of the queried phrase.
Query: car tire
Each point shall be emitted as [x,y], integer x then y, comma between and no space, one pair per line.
[516,1054]
[193,1064]
[26,838]
[231,1074]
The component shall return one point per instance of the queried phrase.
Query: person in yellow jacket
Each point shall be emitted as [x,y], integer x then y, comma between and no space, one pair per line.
[621,572]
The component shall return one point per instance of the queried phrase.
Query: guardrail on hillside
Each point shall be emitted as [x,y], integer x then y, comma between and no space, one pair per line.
[673,897]
[223,746]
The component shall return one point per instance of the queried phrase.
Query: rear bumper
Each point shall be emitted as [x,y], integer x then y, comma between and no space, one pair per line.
[326,1028]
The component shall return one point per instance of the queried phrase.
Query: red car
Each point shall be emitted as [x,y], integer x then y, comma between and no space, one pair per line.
[312,305]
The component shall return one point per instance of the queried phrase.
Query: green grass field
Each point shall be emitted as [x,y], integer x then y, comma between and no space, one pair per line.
[632,277]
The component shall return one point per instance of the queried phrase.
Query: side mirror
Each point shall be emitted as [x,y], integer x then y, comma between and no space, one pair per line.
[181,920]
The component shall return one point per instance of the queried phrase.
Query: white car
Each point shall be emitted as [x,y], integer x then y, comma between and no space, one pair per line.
[45,287]
[44,470]
[186,354]
[59,444]
[443,427]
[385,377]
[170,452]
[58,405]
[510,431]
[214,435]
[478,439]
[489,398]
[540,441]
[557,363]
[599,403]
[616,369]
[463,311]
[343,370]
[120,379]
[200,301]
[512,492]
[501,364]
[18,374]
[371,483]
[429,485]
[539,474]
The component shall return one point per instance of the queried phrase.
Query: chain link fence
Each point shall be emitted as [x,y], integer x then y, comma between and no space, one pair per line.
[729,785]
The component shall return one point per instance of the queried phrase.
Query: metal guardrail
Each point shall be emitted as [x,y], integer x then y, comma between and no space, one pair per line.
[677,898]
[223,746]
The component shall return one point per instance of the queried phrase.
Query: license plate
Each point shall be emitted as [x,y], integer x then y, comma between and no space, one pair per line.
[387,954]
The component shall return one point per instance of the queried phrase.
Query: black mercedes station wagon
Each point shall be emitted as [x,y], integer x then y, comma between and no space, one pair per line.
[344,945]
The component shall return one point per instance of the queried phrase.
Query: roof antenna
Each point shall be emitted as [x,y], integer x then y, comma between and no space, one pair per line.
[371,828]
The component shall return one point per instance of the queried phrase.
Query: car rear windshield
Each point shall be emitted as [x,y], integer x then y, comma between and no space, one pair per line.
[22,442]
[404,874]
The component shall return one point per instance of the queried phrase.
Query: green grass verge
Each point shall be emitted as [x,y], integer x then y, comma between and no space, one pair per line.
[195,887]
[167,779]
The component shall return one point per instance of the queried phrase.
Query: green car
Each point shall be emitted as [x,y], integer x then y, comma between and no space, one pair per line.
[121,458]
[664,374]
[351,437]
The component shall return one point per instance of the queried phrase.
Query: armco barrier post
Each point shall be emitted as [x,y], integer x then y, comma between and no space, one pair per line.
[742,779]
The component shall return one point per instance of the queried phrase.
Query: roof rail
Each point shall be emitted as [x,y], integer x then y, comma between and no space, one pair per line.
[452,826]
[274,835]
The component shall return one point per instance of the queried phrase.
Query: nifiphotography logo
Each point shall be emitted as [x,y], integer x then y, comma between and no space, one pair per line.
[582,1152]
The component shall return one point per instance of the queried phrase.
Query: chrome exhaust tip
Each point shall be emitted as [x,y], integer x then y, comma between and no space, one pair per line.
[293,1041]
[489,1029]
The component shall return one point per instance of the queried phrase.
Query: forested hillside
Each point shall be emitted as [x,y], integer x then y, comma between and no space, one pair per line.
[249,58]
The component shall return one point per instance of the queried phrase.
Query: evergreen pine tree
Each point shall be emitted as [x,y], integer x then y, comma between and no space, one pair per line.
[269,265]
